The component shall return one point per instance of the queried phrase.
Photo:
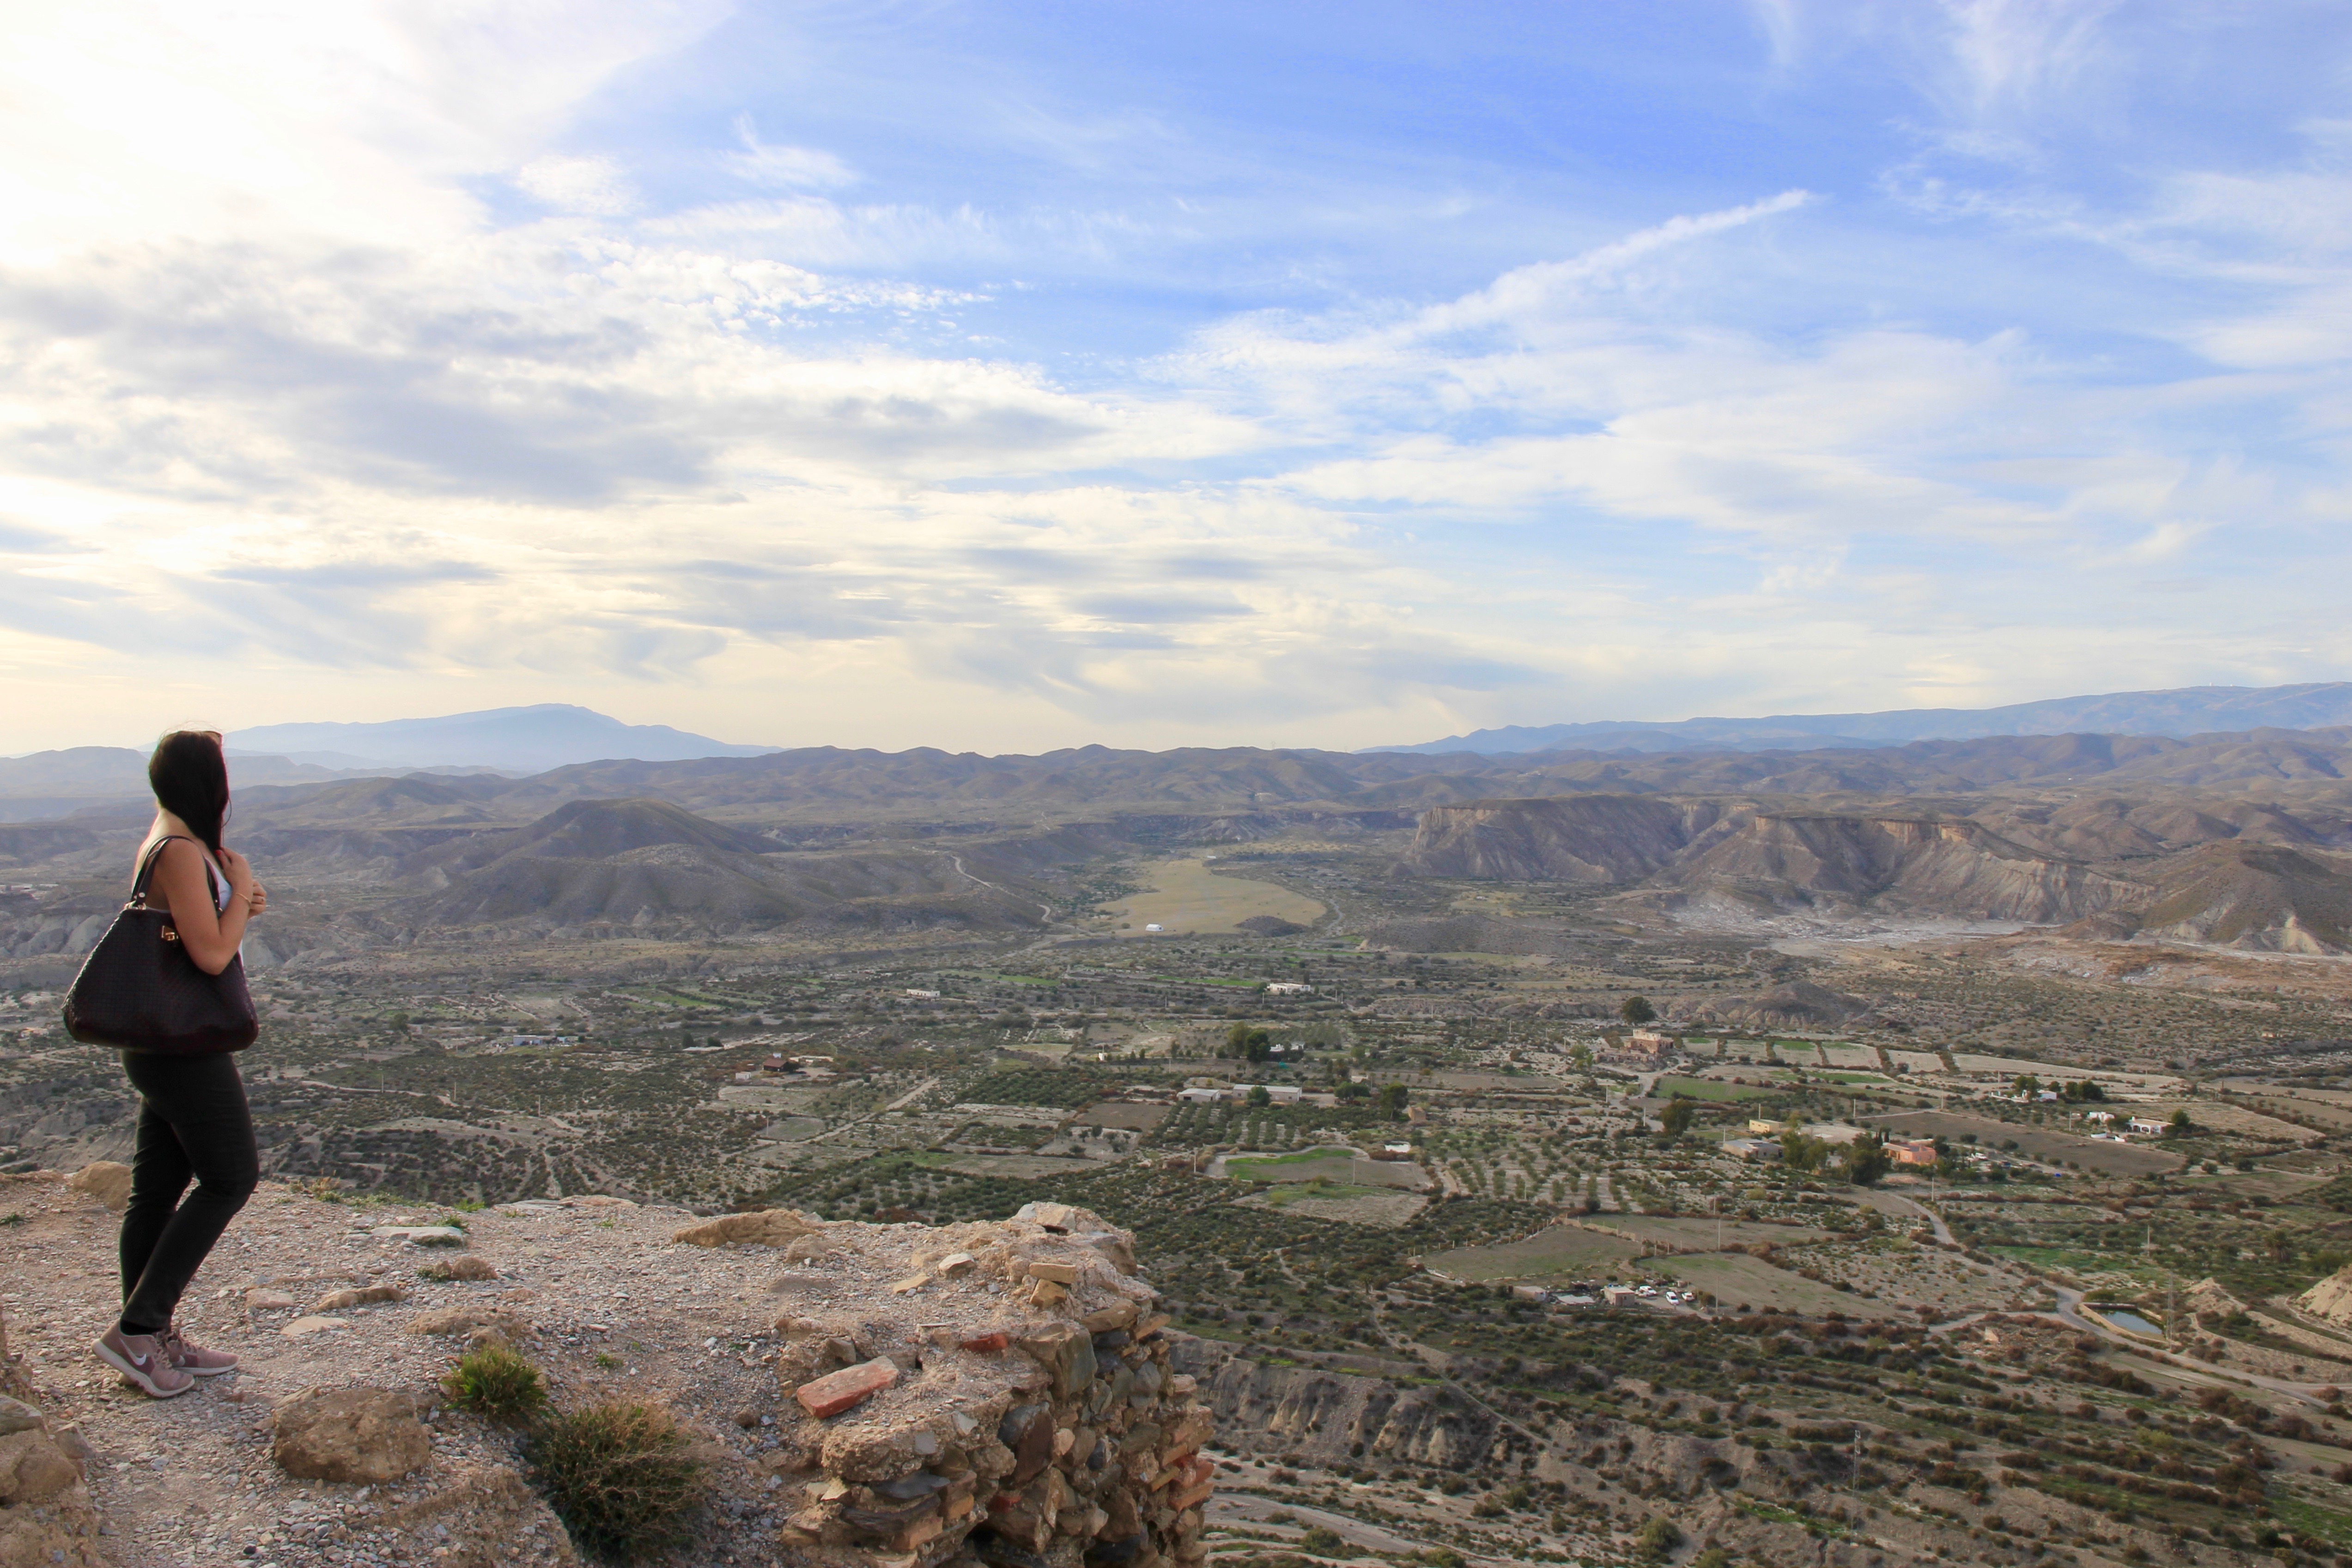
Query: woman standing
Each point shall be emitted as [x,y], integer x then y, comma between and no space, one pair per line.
[193,1119]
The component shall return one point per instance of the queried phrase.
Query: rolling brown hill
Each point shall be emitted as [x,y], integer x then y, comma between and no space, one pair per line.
[2254,895]
[2168,869]
[599,829]
[1902,864]
[1582,838]
[649,866]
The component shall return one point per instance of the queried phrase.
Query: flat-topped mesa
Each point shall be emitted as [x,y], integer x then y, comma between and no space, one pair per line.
[1007,1400]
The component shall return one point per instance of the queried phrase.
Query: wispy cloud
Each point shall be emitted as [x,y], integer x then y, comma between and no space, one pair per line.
[762,163]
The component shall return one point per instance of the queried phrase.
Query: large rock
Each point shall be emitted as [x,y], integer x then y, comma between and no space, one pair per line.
[33,1468]
[467,1319]
[47,1519]
[108,1181]
[354,1435]
[359,1295]
[768,1227]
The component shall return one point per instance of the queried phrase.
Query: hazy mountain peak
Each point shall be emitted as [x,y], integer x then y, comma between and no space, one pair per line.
[529,739]
[2180,712]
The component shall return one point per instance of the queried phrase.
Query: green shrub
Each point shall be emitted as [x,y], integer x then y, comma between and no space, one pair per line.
[620,1476]
[493,1381]
[1658,1538]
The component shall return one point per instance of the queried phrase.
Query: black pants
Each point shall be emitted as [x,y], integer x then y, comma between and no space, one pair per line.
[193,1122]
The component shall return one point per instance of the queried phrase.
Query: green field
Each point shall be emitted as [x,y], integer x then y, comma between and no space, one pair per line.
[1309,1166]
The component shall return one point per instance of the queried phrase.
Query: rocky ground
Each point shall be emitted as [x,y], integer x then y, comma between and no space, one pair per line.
[600,1292]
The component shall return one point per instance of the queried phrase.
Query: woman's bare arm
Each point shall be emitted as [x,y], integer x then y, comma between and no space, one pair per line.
[181,887]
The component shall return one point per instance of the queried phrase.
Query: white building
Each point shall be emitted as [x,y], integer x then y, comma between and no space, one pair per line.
[1289,988]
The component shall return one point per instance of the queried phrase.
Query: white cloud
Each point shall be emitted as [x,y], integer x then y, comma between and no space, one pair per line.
[592,187]
[233,122]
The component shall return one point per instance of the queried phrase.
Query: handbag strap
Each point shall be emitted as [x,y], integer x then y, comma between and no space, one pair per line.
[147,870]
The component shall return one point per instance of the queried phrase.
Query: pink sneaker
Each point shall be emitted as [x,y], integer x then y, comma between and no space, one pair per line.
[142,1358]
[194,1358]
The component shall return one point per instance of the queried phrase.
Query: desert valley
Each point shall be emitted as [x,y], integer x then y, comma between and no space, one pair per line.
[1856,1154]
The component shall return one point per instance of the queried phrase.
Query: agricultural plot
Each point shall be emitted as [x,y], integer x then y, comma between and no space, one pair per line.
[1863,1057]
[2327,1108]
[1909,1275]
[1977,1066]
[1186,898]
[1705,1089]
[2220,1116]
[1561,1252]
[2032,1142]
[1017,1167]
[790,1130]
[1031,1086]
[759,1096]
[1384,1208]
[1326,1165]
[1120,1114]
[1737,1280]
[1683,1233]
[1506,1083]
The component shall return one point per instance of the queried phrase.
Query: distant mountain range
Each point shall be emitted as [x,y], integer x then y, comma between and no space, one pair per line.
[528,739]
[2189,711]
[2243,839]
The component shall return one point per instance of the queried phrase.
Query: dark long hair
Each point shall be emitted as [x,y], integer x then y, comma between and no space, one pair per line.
[190,778]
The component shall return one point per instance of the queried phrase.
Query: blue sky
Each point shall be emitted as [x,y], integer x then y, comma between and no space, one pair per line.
[1003,377]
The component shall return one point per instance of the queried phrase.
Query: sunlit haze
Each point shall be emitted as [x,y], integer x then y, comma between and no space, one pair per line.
[1004,377]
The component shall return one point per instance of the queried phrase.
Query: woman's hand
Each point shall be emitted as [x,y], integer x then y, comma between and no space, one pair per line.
[242,883]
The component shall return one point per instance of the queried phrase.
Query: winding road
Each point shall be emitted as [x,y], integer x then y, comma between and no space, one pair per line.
[2070,1313]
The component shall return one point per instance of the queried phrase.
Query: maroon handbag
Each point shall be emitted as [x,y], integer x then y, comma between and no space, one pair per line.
[139,991]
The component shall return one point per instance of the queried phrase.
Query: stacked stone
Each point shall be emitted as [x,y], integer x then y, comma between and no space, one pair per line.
[1053,1434]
